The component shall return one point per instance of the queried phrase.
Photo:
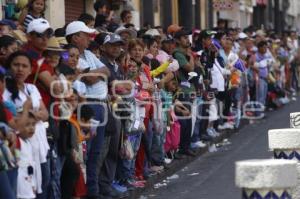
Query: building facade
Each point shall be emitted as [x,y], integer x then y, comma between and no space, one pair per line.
[277,14]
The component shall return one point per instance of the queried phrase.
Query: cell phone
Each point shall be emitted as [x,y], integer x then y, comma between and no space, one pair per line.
[86,70]
[30,170]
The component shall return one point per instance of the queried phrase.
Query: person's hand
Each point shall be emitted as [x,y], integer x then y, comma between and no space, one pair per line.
[11,138]
[170,60]
[27,104]
[151,88]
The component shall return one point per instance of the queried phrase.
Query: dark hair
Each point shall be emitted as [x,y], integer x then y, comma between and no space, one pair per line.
[219,35]
[149,42]
[86,18]
[30,6]
[2,112]
[60,32]
[70,46]
[6,41]
[86,112]
[100,38]
[261,44]
[69,37]
[66,70]
[93,46]
[129,25]
[11,83]
[100,4]
[124,13]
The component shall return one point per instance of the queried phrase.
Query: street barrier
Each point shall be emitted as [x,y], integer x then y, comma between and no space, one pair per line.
[295,120]
[266,179]
[285,143]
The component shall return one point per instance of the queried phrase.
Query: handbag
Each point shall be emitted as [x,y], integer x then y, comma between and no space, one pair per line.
[173,134]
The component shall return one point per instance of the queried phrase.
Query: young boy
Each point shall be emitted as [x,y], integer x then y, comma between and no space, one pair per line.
[26,183]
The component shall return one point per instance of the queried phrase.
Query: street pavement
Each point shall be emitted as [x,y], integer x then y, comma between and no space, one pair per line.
[211,176]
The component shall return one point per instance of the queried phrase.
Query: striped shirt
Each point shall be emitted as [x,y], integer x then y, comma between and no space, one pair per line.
[28,19]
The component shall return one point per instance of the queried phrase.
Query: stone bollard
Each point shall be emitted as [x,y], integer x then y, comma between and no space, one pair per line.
[285,143]
[295,120]
[266,179]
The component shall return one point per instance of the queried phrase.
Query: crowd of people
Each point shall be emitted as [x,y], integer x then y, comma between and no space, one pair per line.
[95,108]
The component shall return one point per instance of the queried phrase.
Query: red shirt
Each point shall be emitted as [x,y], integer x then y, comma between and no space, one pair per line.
[44,91]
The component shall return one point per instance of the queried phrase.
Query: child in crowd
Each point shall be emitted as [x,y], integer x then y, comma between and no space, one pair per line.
[34,9]
[26,186]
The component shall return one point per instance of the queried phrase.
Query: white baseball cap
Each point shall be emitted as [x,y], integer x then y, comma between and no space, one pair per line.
[152,32]
[243,35]
[38,25]
[78,26]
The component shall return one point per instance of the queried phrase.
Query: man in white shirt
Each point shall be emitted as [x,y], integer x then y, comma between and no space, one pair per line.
[78,33]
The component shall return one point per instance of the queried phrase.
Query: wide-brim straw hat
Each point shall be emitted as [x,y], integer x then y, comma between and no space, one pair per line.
[62,41]
[20,36]
[53,45]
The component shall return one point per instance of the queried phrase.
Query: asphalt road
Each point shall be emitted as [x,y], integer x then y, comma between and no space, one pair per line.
[212,175]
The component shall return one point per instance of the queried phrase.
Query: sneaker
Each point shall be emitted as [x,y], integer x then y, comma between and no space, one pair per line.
[136,184]
[119,187]
[215,132]
[157,169]
[199,144]
[211,132]
[206,138]
[168,160]
[226,125]
[113,193]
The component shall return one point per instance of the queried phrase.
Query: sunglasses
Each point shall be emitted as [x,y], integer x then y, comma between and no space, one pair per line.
[47,34]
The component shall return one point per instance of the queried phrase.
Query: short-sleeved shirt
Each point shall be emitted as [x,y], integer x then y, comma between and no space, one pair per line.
[35,56]
[29,90]
[98,90]
[115,72]
[186,86]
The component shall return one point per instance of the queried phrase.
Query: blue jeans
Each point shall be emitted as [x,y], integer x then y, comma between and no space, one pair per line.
[12,175]
[45,167]
[127,167]
[6,190]
[262,91]
[93,153]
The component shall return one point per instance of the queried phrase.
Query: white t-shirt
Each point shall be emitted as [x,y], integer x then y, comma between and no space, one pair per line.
[26,183]
[98,90]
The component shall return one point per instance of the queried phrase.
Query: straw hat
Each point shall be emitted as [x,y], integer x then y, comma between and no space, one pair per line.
[20,36]
[62,41]
[53,45]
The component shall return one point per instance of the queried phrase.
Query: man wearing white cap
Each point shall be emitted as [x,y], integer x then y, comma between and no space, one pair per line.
[38,34]
[78,34]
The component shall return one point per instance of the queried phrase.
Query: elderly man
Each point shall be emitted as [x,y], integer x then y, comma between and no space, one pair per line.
[77,33]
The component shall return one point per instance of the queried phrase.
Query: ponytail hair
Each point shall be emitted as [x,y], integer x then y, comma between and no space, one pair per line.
[11,84]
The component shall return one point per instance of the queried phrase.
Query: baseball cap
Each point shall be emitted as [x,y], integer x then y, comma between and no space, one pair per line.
[152,32]
[242,35]
[182,32]
[112,39]
[207,33]
[260,33]
[173,28]
[168,39]
[39,26]
[131,32]
[78,26]
[7,22]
